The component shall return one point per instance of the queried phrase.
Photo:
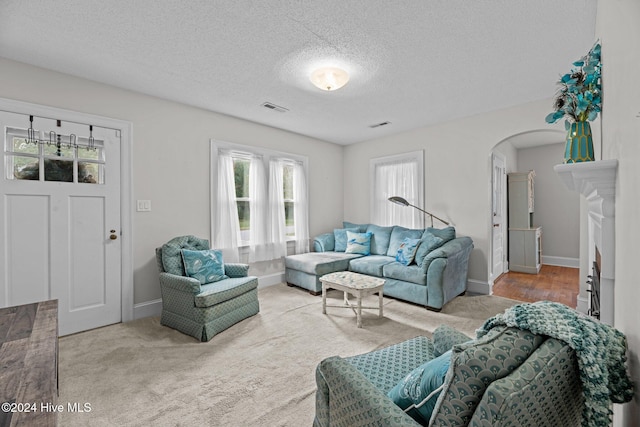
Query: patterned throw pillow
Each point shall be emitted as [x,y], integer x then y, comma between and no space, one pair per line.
[418,392]
[340,237]
[358,243]
[407,251]
[206,266]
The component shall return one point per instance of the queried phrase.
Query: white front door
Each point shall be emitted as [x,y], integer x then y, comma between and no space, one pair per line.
[60,220]
[498,195]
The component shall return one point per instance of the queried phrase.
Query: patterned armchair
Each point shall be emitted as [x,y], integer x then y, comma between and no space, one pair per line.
[510,377]
[203,310]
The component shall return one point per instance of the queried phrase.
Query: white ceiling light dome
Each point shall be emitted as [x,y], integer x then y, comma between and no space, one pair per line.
[329,78]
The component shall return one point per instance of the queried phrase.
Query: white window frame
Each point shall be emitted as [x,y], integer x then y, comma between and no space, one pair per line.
[249,151]
[376,200]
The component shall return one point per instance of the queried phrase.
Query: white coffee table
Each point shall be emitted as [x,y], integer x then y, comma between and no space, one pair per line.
[358,285]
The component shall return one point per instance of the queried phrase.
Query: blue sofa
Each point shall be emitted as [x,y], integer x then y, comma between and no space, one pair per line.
[438,274]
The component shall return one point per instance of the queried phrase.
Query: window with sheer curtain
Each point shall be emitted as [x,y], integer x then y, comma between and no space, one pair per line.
[259,202]
[399,175]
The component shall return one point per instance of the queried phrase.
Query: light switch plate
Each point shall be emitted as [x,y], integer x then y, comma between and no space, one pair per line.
[143,206]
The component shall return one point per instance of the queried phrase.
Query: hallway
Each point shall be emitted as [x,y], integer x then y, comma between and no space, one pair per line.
[553,283]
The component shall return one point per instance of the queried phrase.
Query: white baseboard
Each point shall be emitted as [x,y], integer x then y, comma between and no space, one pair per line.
[478,287]
[270,280]
[147,309]
[561,261]
[582,306]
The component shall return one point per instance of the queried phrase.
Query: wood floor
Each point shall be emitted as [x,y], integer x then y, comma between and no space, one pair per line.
[559,284]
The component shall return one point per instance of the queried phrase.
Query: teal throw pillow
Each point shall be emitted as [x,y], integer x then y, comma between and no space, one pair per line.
[417,393]
[407,251]
[340,237]
[358,243]
[432,239]
[206,266]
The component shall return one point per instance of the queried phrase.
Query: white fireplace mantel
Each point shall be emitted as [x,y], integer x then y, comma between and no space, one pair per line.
[597,182]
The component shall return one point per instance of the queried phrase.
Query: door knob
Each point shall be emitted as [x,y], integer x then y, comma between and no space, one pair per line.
[113,235]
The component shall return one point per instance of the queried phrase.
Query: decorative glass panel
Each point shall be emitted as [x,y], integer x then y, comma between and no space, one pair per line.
[59,151]
[58,170]
[24,167]
[20,145]
[96,153]
[91,173]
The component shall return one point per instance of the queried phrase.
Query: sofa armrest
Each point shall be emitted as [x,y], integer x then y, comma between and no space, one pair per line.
[352,399]
[451,248]
[445,337]
[324,243]
[180,283]
[236,269]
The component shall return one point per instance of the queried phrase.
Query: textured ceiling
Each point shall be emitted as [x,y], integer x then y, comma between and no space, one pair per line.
[413,63]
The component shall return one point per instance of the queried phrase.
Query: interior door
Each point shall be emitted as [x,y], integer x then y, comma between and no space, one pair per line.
[499,184]
[60,219]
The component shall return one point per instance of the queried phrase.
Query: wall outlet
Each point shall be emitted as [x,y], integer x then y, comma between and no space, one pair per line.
[143,206]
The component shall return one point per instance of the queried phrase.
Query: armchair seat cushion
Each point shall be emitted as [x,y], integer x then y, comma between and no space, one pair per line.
[407,273]
[372,265]
[217,292]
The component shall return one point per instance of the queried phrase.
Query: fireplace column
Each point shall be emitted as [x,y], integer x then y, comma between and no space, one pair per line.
[597,182]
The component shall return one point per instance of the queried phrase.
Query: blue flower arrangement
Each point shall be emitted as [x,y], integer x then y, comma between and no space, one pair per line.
[579,98]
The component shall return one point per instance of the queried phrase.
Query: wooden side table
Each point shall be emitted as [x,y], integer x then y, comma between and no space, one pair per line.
[358,285]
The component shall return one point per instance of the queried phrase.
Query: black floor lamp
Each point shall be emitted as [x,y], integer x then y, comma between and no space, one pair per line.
[403,202]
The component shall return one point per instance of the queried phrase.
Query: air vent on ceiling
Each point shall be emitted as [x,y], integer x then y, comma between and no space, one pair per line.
[275,107]
[377,125]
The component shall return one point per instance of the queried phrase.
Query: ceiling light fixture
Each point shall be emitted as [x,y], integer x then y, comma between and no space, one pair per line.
[329,78]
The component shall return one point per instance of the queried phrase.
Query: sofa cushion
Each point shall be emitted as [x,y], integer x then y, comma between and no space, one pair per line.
[380,239]
[340,235]
[172,255]
[417,393]
[474,366]
[432,239]
[407,273]
[206,266]
[372,265]
[215,293]
[319,263]
[358,243]
[361,227]
[398,235]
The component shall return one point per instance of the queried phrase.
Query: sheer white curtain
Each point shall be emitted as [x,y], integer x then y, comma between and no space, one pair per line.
[276,209]
[397,176]
[300,209]
[259,245]
[227,224]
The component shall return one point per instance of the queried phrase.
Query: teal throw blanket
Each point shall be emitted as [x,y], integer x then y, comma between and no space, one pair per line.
[600,349]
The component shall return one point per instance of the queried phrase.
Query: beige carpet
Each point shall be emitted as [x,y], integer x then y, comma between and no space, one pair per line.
[259,372]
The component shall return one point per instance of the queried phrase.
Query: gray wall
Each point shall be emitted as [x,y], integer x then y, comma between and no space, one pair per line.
[171,154]
[617,27]
[557,209]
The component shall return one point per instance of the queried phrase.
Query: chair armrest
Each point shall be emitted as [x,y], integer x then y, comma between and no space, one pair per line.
[236,269]
[180,283]
[353,400]
[445,337]
[324,243]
